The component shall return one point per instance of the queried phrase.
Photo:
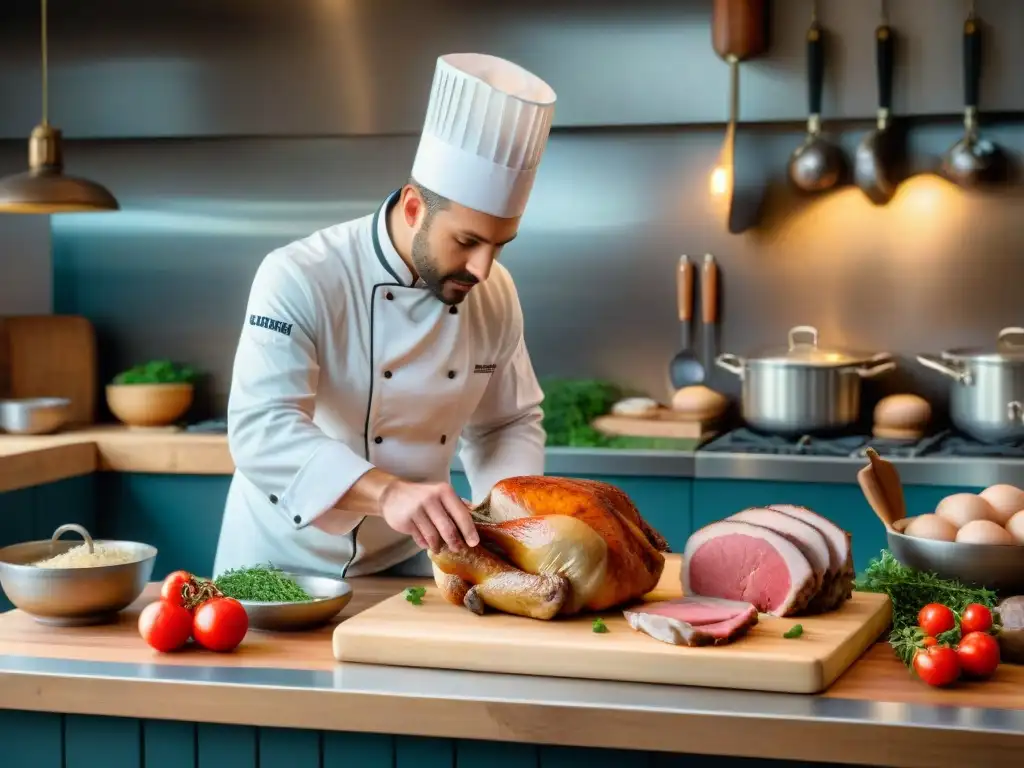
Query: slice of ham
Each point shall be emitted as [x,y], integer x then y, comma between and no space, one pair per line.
[693,621]
[742,561]
[808,539]
[840,555]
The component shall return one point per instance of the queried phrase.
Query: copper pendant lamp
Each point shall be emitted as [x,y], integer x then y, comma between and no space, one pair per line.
[44,187]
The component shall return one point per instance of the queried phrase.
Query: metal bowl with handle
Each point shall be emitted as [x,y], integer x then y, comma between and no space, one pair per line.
[329,597]
[804,388]
[999,567]
[986,399]
[73,596]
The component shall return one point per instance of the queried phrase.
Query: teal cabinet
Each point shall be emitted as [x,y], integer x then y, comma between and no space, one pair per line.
[843,504]
[30,514]
[48,740]
[664,502]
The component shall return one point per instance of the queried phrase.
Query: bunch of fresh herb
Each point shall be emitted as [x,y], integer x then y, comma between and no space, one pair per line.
[261,584]
[911,590]
[156,372]
[571,404]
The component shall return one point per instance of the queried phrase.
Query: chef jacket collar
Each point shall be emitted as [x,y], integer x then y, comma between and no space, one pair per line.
[385,249]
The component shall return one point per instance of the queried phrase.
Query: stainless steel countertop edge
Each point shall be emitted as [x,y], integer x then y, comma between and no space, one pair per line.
[373,680]
[944,471]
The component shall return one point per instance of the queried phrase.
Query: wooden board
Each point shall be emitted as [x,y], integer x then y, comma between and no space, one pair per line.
[52,356]
[439,635]
[658,427]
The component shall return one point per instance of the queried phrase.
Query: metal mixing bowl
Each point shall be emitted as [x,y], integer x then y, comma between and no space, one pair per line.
[997,566]
[329,597]
[73,597]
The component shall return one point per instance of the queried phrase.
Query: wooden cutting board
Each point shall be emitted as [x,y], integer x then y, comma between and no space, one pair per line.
[50,356]
[439,635]
[670,427]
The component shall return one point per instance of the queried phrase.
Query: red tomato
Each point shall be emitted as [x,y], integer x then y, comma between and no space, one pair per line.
[935,619]
[220,624]
[937,665]
[929,641]
[975,618]
[165,626]
[171,589]
[978,654]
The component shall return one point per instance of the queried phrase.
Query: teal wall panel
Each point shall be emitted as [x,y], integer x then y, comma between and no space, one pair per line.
[35,513]
[90,741]
[43,740]
[842,504]
[168,744]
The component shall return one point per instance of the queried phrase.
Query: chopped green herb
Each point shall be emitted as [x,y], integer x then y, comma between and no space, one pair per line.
[415,595]
[261,584]
[795,631]
[599,626]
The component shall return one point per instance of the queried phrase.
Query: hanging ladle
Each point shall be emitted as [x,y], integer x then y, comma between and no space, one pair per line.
[817,165]
[972,160]
[877,153]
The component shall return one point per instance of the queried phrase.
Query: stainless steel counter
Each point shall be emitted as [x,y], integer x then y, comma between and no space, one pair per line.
[355,697]
[945,470]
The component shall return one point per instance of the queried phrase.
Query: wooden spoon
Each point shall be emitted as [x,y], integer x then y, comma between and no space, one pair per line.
[880,483]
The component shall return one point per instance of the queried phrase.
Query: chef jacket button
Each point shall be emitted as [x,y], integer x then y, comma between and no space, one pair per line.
[389,295]
[451,374]
[387,374]
[444,439]
[297,519]
[453,310]
[378,439]
[273,499]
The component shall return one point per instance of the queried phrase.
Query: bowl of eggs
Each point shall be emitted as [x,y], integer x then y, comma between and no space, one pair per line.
[977,538]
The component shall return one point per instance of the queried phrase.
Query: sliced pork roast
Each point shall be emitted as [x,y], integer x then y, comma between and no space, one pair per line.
[693,620]
[807,538]
[742,561]
[840,553]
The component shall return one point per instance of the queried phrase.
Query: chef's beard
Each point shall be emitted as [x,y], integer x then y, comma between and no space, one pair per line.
[430,274]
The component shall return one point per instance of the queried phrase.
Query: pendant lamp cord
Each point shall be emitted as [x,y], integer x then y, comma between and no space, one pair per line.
[45,72]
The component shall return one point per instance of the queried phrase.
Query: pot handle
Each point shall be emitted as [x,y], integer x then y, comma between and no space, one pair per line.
[805,330]
[947,368]
[875,370]
[1007,333]
[731,363]
[1015,411]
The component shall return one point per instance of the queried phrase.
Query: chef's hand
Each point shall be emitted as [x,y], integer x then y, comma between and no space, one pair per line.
[432,513]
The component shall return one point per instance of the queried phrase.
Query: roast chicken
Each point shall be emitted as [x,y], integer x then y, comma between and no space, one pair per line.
[553,546]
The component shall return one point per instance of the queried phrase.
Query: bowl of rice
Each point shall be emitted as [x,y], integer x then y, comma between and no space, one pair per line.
[75,583]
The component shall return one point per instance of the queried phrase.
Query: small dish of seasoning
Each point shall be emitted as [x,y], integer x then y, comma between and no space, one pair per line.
[278,600]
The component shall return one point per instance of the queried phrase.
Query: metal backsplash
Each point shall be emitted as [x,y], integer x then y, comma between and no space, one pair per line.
[594,264]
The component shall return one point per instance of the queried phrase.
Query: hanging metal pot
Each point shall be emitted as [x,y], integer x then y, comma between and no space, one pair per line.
[803,389]
[986,399]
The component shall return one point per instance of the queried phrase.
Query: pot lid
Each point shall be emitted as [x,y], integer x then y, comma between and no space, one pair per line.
[803,349]
[1009,347]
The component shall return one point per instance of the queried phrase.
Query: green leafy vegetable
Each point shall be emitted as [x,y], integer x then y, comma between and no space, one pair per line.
[261,584]
[415,595]
[599,626]
[571,404]
[795,631]
[156,372]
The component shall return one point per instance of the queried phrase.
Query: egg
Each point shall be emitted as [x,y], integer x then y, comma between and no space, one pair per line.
[1005,500]
[930,527]
[963,508]
[1015,526]
[984,532]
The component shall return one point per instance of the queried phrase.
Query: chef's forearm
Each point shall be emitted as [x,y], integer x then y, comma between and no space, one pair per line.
[364,496]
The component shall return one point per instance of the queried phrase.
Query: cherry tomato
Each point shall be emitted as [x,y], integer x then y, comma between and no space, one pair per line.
[978,654]
[937,665]
[171,589]
[975,618]
[935,619]
[220,624]
[165,626]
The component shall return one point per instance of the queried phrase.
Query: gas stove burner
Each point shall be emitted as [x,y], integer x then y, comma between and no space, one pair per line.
[748,441]
[960,445]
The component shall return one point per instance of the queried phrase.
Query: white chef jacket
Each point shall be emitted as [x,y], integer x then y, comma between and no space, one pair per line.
[346,363]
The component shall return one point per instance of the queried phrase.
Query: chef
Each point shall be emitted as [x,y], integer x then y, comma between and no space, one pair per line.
[370,347]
